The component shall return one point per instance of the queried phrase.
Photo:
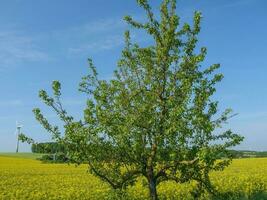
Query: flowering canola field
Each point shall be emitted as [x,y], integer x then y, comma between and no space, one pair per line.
[30,179]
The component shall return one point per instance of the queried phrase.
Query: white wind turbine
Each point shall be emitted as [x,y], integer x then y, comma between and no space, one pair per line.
[18,130]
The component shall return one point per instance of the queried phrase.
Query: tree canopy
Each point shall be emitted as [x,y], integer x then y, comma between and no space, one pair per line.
[156,118]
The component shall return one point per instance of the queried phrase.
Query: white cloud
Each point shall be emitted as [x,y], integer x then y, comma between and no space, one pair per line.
[257,115]
[107,43]
[95,36]
[104,34]
[237,3]
[16,47]
[11,103]
[103,25]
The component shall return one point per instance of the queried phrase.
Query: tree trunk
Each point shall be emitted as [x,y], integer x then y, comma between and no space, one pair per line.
[153,188]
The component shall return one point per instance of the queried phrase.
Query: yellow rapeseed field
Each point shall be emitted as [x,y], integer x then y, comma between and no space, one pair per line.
[30,179]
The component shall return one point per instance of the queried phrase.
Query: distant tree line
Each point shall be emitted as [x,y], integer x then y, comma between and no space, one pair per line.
[54,152]
[48,148]
[248,154]
[57,148]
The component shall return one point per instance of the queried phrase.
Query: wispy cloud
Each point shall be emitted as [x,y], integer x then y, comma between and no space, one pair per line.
[16,47]
[95,36]
[231,4]
[100,26]
[107,43]
[20,46]
[252,116]
[103,34]
[10,103]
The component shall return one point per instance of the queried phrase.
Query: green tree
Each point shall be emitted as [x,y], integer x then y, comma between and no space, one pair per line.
[23,138]
[156,118]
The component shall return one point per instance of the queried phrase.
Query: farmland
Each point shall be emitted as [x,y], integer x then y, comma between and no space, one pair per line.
[26,178]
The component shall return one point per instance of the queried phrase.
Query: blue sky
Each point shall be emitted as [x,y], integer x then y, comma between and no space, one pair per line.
[42,41]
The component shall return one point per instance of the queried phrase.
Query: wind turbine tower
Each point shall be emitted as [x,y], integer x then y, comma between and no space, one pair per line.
[18,129]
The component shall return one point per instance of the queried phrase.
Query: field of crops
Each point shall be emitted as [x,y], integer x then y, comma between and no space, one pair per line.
[30,179]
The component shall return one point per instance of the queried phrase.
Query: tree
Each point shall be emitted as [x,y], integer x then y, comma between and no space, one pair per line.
[156,118]
[23,138]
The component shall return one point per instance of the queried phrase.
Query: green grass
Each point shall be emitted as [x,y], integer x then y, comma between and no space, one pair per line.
[22,155]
